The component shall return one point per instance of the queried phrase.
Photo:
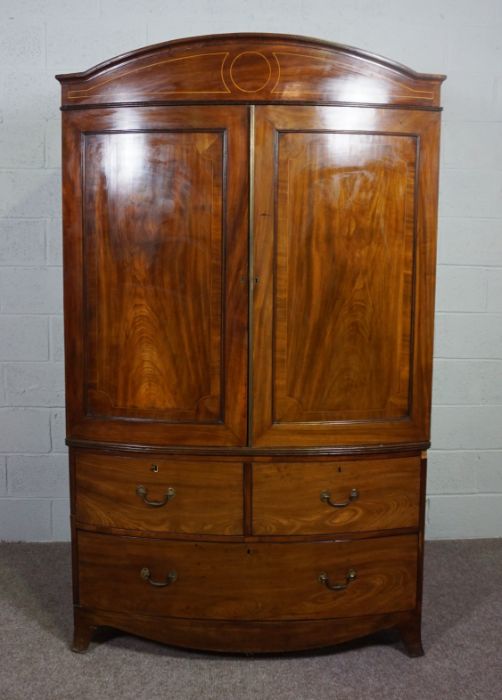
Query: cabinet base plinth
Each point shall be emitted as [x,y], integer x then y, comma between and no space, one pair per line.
[247,637]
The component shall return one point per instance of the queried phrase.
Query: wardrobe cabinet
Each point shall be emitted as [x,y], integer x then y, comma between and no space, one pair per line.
[249,264]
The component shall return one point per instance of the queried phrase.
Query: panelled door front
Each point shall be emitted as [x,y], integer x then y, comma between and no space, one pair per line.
[344,229]
[159,224]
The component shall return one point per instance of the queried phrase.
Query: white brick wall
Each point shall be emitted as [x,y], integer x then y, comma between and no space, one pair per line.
[457,37]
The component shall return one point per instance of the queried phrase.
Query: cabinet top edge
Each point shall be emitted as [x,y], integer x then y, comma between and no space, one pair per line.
[250,66]
[243,37]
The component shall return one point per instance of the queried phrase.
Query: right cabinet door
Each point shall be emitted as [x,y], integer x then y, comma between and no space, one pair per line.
[344,230]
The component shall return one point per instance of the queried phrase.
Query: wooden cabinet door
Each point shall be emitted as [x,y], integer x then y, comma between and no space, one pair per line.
[155,219]
[344,255]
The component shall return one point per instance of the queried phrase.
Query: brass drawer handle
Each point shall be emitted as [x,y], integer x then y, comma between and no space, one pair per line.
[326,498]
[143,493]
[147,576]
[350,576]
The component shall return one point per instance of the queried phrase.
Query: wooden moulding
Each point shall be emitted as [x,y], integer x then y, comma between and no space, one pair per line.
[341,451]
[250,68]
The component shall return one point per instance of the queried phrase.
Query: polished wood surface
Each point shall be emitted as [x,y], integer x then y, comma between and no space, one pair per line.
[343,276]
[208,496]
[246,636]
[248,539]
[250,68]
[154,274]
[286,496]
[239,581]
[156,328]
[249,266]
[344,251]
[323,452]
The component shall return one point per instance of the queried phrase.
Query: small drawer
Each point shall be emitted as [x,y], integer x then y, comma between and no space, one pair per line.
[329,497]
[159,495]
[259,581]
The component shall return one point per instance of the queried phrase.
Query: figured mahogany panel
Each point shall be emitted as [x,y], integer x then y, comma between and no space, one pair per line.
[247,581]
[250,68]
[344,256]
[156,320]
[154,262]
[189,496]
[363,495]
[344,242]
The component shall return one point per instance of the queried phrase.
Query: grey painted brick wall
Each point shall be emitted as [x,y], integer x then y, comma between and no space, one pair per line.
[463,39]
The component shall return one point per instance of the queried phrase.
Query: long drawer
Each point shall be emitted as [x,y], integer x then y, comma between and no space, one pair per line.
[338,496]
[256,581]
[159,495]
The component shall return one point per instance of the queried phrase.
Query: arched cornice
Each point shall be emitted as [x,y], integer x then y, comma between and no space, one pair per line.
[250,68]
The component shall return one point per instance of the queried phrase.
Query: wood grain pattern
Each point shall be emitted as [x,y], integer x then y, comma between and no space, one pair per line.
[154,265]
[286,496]
[342,338]
[156,328]
[248,539]
[253,582]
[343,276]
[251,67]
[208,500]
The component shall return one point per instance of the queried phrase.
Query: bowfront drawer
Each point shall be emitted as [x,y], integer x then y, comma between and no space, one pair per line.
[260,581]
[159,495]
[327,497]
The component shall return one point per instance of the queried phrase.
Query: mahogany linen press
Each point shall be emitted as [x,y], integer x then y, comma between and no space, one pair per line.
[249,265]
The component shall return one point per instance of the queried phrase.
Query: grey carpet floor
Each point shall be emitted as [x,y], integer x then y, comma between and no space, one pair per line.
[462,633]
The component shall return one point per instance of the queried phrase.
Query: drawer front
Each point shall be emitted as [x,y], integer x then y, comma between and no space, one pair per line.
[159,495]
[247,581]
[328,497]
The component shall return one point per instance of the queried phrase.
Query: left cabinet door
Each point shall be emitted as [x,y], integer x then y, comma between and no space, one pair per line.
[155,271]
